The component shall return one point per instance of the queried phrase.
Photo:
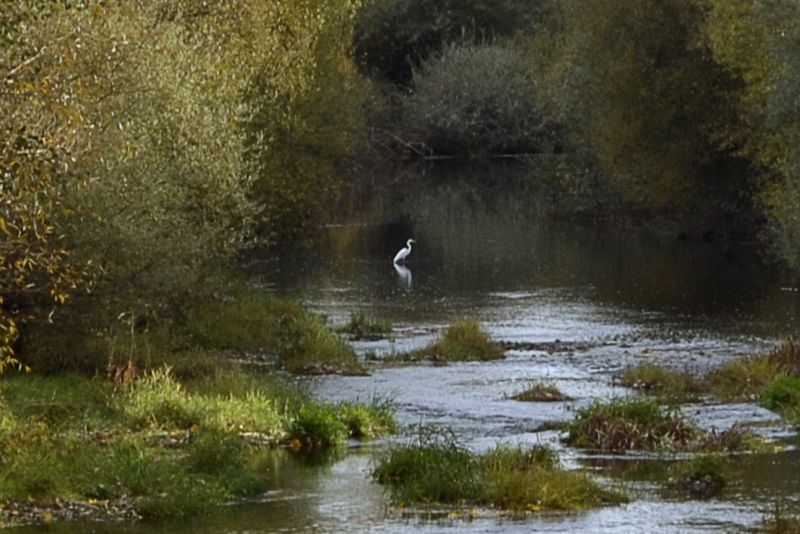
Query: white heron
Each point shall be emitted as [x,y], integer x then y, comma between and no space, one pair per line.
[403,253]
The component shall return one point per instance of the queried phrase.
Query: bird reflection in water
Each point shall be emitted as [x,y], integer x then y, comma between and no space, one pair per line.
[403,276]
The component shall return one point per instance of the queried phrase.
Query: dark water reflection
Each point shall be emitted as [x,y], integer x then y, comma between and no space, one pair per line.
[472,244]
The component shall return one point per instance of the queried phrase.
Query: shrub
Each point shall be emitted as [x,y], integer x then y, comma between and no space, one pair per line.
[392,37]
[476,100]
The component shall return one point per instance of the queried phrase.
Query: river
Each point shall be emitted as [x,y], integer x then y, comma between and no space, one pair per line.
[580,302]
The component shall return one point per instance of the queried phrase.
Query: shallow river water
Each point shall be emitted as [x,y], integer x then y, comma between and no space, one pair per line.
[580,303]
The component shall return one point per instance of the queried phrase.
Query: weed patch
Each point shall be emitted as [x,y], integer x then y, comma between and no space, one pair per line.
[623,425]
[437,470]
[157,446]
[362,327]
[464,340]
[656,380]
[541,392]
[702,477]
[783,396]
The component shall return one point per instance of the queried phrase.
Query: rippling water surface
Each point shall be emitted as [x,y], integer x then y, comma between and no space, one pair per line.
[579,303]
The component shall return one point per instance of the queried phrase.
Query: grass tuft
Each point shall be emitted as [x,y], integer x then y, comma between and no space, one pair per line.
[541,392]
[641,424]
[622,425]
[436,469]
[363,327]
[702,477]
[464,340]
[653,379]
[783,396]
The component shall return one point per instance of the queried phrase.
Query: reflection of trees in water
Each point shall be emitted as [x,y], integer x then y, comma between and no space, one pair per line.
[492,227]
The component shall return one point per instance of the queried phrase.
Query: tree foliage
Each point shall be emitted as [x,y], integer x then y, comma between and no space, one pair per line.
[393,37]
[477,99]
[129,136]
[650,100]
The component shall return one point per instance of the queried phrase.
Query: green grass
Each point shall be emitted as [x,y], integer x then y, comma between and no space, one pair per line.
[783,396]
[437,470]
[653,379]
[541,392]
[362,326]
[464,340]
[641,424]
[251,321]
[702,477]
[319,426]
[743,379]
[171,447]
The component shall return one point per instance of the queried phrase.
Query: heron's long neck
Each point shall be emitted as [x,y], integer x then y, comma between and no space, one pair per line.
[408,244]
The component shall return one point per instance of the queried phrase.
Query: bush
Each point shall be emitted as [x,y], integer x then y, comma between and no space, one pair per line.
[476,100]
[392,37]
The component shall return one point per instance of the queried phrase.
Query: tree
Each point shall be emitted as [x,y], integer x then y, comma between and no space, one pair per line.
[651,101]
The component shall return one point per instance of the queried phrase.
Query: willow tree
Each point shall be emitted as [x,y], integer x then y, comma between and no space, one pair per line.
[649,98]
[760,43]
[142,107]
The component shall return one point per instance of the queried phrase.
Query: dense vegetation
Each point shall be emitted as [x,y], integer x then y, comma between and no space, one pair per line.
[435,469]
[159,446]
[145,146]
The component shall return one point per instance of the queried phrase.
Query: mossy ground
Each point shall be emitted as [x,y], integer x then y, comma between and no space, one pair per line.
[435,469]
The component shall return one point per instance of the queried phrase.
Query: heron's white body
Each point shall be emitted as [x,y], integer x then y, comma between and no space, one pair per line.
[403,253]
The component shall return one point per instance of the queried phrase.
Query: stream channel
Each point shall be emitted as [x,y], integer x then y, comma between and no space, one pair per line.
[580,303]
